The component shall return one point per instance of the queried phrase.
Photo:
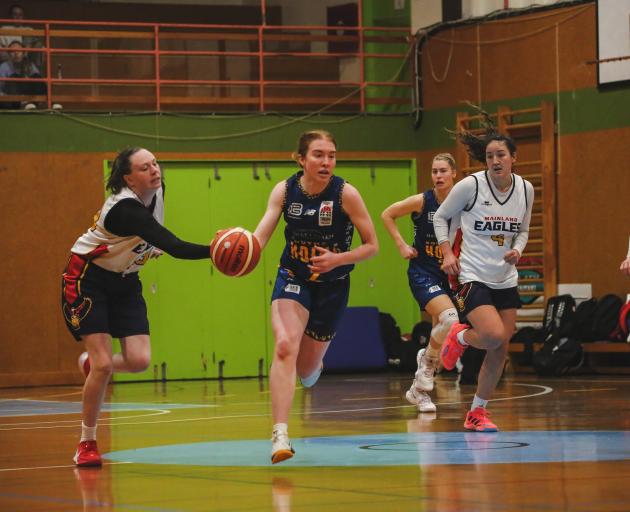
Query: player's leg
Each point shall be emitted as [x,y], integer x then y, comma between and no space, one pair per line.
[489,332]
[99,349]
[288,320]
[328,304]
[135,354]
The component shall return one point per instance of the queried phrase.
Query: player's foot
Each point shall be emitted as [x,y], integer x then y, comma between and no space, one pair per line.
[426,370]
[87,454]
[281,448]
[479,421]
[420,399]
[84,364]
[309,382]
[452,349]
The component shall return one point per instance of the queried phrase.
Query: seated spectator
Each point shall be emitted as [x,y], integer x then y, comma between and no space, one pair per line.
[16,12]
[19,66]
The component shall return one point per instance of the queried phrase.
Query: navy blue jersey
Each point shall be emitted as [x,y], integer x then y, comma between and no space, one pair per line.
[314,220]
[430,255]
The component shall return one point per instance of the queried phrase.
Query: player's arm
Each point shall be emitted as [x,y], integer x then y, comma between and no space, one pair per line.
[462,195]
[411,204]
[129,218]
[354,206]
[270,218]
[520,240]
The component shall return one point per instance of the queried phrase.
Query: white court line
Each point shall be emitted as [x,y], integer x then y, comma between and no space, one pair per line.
[58,424]
[544,390]
[3,470]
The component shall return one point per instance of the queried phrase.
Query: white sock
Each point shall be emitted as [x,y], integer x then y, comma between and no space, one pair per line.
[460,338]
[478,402]
[87,433]
[282,427]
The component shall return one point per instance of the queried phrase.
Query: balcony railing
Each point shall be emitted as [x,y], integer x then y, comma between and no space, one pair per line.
[94,66]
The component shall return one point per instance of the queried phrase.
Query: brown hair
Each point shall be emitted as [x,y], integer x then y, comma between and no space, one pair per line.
[448,158]
[305,141]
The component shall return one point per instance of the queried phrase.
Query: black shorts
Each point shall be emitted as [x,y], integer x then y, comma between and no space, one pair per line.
[326,302]
[95,300]
[474,294]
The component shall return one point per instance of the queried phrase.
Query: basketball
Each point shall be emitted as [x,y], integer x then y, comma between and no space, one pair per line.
[235,251]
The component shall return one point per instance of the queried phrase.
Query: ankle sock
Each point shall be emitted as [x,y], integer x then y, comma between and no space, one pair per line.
[87,433]
[478,402]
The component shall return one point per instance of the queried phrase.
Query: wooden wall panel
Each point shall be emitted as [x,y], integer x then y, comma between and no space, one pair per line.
[594,210]
[48,199]
[527,58]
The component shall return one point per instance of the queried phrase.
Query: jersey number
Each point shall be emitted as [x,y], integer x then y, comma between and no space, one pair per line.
[499,239]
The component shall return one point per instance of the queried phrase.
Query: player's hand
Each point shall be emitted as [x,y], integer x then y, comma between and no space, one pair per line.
[407,252]
[156,253]
[450,265]
[324,261]
[512,256]
[625,267]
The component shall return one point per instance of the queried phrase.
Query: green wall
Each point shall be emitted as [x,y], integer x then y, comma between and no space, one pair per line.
[204,324]
[580,110]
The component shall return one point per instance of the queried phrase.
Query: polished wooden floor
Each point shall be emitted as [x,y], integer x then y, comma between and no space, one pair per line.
[203,446]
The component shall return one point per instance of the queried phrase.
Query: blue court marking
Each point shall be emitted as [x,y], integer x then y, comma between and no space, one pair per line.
[407,449]
[43,407]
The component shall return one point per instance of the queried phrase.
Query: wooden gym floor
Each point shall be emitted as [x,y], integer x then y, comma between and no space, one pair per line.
[203,446]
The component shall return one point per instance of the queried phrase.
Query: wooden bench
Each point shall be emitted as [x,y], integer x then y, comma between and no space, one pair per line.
[601,356]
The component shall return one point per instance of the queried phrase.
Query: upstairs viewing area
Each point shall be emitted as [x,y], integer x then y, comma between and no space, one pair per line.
[110,66]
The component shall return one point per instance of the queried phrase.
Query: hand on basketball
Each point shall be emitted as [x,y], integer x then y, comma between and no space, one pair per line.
[325,261]
[512,256]
[407,252]
[450,265]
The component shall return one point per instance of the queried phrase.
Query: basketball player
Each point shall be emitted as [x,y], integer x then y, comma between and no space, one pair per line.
[429,285]
[312,284]
[102,294]
[495,206]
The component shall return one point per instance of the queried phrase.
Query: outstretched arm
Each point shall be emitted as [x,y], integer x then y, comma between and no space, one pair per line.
[130,218]
[354,206]
[411,204]
[270,218]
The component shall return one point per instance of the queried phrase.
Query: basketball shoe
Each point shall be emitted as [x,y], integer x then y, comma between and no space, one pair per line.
[478,420]
[87,454]
[426,370]
[452,349]
[420,399]
[84,364]
[281,448]
[309,382]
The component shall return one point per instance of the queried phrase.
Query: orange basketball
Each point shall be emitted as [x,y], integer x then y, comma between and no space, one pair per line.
[235,251]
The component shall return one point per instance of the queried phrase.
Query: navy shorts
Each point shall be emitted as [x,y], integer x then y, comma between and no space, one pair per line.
[325,301]
[474,294]
[426,287]
[95,300]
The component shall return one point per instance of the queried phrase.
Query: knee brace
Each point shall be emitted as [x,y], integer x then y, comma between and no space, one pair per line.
[447,318]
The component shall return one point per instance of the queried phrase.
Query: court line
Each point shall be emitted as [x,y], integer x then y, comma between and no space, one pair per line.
[545,390]
[57,424]
[4,470]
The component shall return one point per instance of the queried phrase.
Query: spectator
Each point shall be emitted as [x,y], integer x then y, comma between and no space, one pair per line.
[16,12]
[20,66]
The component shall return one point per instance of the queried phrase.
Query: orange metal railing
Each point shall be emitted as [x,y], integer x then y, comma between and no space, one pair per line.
[171,67]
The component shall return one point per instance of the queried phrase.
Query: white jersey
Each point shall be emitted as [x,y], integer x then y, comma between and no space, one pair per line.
[124,254]
[489,226]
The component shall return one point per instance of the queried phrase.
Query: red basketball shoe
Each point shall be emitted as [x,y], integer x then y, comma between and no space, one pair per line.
[84,364]
[479,421]
[87,454]
[452,349]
